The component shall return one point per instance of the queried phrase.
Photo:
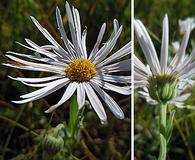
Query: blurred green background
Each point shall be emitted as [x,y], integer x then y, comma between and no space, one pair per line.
[106,142]
[182,143]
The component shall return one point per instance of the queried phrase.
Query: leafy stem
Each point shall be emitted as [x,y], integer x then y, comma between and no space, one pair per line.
[165,129]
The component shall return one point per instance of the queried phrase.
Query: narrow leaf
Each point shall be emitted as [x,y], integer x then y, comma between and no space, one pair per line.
[163,144]
[170,126]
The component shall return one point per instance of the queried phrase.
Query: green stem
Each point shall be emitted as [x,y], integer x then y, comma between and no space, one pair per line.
[14,123]
[162,126]
[163,114]
[72,128]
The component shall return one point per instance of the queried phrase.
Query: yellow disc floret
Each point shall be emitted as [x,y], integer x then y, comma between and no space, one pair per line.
[80,70]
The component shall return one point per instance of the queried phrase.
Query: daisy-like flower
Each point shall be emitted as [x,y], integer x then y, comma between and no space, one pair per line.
[87,75]
[163,81]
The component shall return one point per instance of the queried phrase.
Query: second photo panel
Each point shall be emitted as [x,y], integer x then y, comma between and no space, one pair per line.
[164,72]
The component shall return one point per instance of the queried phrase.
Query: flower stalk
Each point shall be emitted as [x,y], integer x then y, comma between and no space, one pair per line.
[61,140]
[162,126]
[165,129]
[73,128]
[163,112]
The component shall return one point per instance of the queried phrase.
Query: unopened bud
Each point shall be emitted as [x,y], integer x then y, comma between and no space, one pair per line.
[53,142]
[52,145]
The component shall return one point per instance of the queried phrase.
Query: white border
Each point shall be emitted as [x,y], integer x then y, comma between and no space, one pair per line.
[132,80]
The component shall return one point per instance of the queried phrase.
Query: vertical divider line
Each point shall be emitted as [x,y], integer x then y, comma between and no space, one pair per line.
[132,80]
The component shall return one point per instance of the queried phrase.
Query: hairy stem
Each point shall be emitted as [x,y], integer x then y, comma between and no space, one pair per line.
[162,126]
[163,114]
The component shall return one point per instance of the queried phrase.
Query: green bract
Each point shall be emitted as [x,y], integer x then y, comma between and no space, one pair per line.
[162,88]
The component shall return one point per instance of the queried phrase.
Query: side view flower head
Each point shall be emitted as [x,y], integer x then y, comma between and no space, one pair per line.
[72,66]
[163,81]
[168,78]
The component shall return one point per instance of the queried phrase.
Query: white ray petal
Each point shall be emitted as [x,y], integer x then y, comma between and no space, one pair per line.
[83,39]
[63,33]
[124,51]
[41,59]
[187,70]
[150,45]
[95,102]
[41,51]
[185,63]
[36,46]
[36,80]
[116,25]
[165,45]
[32,68]
[45,89]
[109,45]
[36,65]
[112,105]
[77,25]
[147,46]
[80,95]
[140,75]
[115,30]
[67,94]
[139,65]
[39,85]
[117,67]
[103,54]
[43,93]
[33,57]
[72,29]
[180,54]
[97,44]
[182,97]
[187,75]
[122,90]
[178,104]
[48,36]
[140,84]
[114,78]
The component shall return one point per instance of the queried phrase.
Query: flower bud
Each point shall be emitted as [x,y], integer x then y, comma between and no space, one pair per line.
[52,145]
[162,88]
[53,142]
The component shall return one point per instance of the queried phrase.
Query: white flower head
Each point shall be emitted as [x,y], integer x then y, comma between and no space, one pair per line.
[167,79]
[87,75]
[183,24]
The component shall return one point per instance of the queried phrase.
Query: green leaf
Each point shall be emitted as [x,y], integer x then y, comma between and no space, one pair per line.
[73,116]
[170,126]
[163,144]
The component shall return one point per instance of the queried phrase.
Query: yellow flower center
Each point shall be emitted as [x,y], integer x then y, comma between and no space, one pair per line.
[80,70]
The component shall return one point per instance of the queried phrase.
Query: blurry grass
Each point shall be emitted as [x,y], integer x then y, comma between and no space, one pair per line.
[182,143]
[19,124]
